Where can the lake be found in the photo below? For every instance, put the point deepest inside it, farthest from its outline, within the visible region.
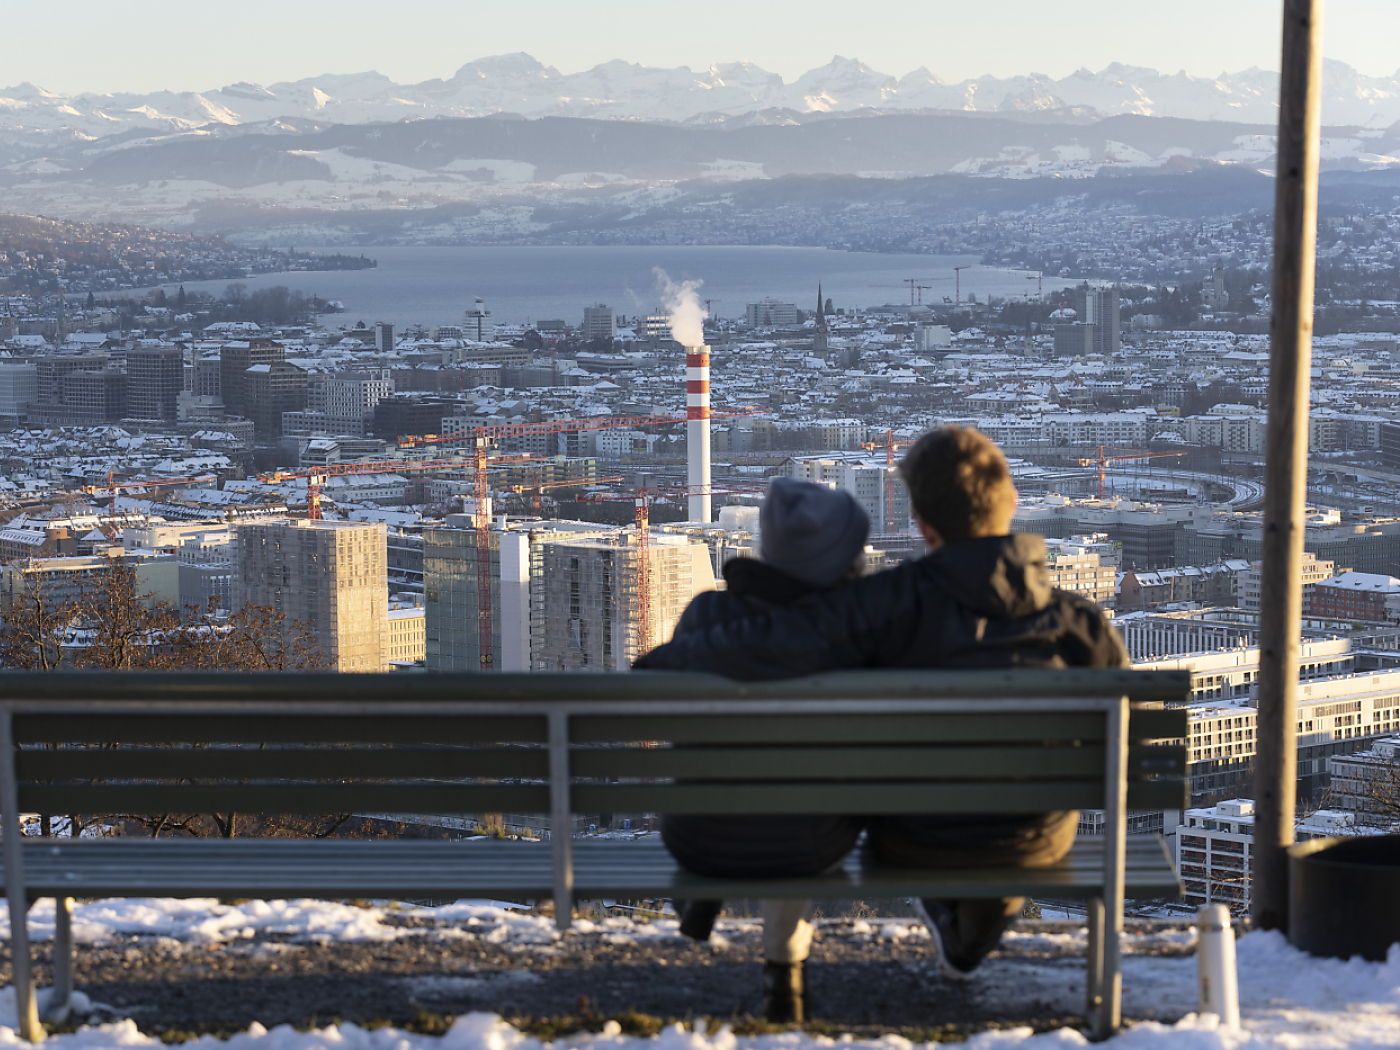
(435, 285)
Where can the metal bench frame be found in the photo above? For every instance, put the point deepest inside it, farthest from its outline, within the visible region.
(1003, 694)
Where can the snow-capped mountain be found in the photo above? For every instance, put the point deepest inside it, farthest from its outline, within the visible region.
(521, 85)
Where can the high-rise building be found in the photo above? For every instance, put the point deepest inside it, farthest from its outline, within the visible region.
(384, 338)
(586, 611)
(328, 576)
(770, 313)
(155, 377)
(1097, 324)
(453, 597)
(235, 358)
(90, 398)
(477, 323)
(49, 373)
(599, 322)
(19, 385)
(268, 391)
(866, 478)
(1213, 294)
(451, 589)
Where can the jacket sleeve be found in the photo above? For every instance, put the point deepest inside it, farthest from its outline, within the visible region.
(1098, 642)
(844, 628)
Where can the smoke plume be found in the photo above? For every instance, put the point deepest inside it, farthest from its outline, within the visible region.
(684, 309)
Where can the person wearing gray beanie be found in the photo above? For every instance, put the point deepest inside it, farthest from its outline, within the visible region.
(811, 539)
(811, 532)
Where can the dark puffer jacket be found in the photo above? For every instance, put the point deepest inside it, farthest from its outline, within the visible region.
(983, 603)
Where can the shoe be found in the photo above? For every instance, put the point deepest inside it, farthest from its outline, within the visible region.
(698, 918)
(942, 923)
(784, 992)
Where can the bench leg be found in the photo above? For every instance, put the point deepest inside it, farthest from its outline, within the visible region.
(61, 1002)
(1109, 1017)
(1093, 980)
(26, 1010)
(21, 965)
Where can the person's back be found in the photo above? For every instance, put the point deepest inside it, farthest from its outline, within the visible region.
(980, 599)
(811, 542)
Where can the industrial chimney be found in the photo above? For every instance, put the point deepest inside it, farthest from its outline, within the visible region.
(697, 430)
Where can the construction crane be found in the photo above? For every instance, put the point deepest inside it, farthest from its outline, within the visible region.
(113, 486)
(561, 426)
(957, 288)
(928, 287)
(479, 436)
(889, 445)
(537, 489)
(641, 499)
(1039, 278)
(1103, 459)
(911, 282)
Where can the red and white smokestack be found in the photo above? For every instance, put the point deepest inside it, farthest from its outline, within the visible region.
(697, 430)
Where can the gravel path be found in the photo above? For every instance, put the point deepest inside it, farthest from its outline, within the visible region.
(864, 978)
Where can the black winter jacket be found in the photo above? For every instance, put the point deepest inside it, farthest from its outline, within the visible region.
(753, 588)
(983, 603)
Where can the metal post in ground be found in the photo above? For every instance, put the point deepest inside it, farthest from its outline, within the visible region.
(1285, 493)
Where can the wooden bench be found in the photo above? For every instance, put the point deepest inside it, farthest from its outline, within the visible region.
(562, 745)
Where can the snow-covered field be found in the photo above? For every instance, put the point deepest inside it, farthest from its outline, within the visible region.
(1288, 1000)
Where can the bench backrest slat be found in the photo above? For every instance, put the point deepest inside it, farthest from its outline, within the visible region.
(973, 762)
(980, 796)
(862, 742)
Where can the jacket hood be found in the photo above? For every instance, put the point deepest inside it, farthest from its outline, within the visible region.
(1000, 577)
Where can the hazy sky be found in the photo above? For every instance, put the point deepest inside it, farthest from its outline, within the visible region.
(98, 45)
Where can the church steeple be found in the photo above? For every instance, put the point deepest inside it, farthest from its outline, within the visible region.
(819, 341)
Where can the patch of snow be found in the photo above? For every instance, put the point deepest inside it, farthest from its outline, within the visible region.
(1288, 1001)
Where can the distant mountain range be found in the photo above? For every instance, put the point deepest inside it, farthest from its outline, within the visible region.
(729, 94)
(489, 152)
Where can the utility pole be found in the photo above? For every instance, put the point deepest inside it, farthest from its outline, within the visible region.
(1286, 464)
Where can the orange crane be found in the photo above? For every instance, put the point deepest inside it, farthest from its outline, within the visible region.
(114, 486)
(498, 431)
(537, 489)
(1103, 459)
(889, 445)
(641, 500)
(479, 437)
(480, 464)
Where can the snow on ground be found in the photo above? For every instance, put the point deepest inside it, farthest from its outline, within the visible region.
(1288, 1000)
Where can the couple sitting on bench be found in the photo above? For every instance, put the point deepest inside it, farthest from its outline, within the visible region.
(979, 599)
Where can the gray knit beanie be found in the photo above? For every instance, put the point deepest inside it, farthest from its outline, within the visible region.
(811, 532)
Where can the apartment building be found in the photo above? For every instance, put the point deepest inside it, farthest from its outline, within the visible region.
(1215, 849)
(1367, 783)
(330, 576)
(869, 479)
(1363, 596)
(405, 634)
(1076, 569)
(1251, 582)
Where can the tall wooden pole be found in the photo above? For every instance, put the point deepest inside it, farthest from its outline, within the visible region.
(1285, 494)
